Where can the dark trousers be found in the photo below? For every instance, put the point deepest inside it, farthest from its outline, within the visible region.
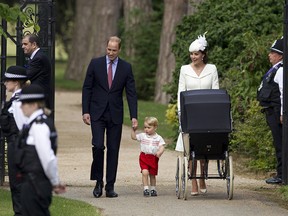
(113, 138)
(15, 179)
(36, 196)
(273, 121)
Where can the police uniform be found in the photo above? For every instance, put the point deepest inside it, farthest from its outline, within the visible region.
(269, 96)
(11, 121)
(37, 157)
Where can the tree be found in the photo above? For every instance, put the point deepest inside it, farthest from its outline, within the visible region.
(141, 33)
(135, 12)
(174, 11)
(65, 17)
(11, 14)
(95, 22)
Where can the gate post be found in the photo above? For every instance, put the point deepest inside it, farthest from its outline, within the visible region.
(3, 164)
(41, 12)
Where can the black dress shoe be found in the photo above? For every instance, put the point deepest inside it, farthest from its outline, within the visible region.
(111, 194)
(97, 192)
(274, 180)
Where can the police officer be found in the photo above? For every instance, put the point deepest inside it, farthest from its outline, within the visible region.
(269, 95)
(12, 120)
(36, 154)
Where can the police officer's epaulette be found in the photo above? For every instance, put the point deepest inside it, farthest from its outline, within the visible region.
(17, 95)
(40, 119)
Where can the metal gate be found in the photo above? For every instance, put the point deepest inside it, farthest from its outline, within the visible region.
(43, 14)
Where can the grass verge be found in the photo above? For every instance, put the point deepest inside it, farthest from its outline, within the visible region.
(60, 206)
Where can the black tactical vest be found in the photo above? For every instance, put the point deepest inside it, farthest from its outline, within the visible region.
(26, 156)
(268, 94)
(7, 121)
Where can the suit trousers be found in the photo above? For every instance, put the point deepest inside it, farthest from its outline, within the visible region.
(113, 138)
(273, 121)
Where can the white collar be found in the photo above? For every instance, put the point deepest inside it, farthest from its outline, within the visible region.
(35, 115)
(34, 53)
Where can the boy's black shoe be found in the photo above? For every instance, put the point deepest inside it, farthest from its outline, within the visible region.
(146, 192)
(153, 193)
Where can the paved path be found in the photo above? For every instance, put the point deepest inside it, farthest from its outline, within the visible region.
(74, 158)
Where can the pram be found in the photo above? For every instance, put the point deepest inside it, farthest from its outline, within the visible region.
(206, 117)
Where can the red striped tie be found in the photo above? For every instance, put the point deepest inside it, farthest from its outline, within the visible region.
(110, 74)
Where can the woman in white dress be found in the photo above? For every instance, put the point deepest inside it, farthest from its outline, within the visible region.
(197, 75)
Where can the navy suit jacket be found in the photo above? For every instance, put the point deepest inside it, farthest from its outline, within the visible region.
(39, 72)
(96, 95)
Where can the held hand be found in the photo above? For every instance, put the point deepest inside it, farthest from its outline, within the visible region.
(134, 124)
(86, 118)
(59, 189)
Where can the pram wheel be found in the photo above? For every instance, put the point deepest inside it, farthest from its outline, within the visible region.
(185, 178)
(229, 177)
(178, 177)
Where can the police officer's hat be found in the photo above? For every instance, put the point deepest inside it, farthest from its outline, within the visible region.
(32, 93)
(278, 46)
(15, 73)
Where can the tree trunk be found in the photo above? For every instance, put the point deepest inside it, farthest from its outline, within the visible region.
(135, 11)
(95, 22)
(174, 10)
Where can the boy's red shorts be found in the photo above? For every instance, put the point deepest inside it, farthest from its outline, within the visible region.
(149, 162)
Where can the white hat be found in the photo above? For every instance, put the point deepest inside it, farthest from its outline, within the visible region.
(198, 44)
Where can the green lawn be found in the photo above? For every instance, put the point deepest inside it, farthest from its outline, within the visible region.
(62, 83)
(60, 206)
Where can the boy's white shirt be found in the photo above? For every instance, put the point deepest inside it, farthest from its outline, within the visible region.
(151, 144)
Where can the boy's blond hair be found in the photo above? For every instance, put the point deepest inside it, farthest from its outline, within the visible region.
(151, 121)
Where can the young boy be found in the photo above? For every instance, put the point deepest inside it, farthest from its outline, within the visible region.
(152, 147)
(36, 157)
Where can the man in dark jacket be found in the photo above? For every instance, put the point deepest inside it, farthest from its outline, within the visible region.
(102, 108)
(39, 66)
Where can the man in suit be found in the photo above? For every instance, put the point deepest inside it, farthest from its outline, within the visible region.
(102, 108)
(39, 66)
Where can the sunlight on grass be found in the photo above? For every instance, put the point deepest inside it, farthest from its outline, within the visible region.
(60, 82)
(60, 206)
